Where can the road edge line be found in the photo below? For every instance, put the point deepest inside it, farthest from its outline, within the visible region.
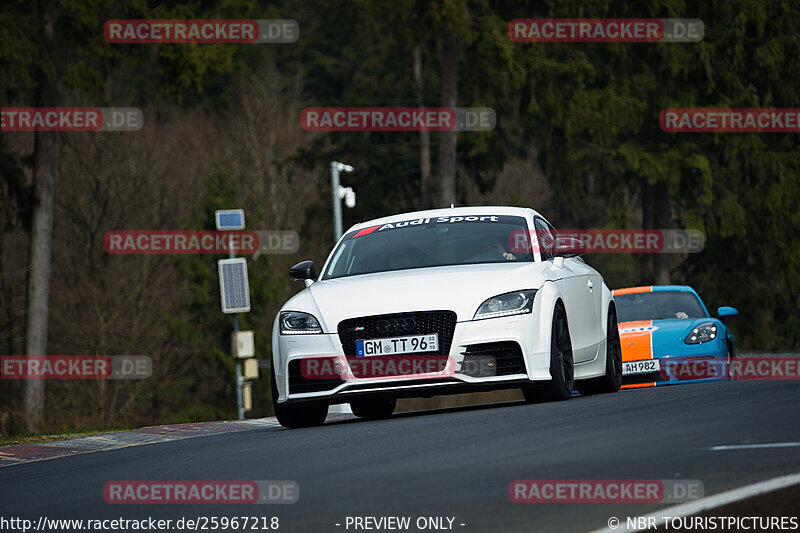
(712, 502)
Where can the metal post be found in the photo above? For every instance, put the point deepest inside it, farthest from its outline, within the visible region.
(337, 202)
(337, 233)
(239, 403)
(239, 400)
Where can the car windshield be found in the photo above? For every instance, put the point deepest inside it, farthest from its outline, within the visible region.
(428, 242)
(658, 305)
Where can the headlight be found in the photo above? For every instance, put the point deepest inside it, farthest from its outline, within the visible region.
(511, 303)
(707, 331)
(297, 323)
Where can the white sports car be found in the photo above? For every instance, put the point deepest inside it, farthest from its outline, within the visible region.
(438, 302)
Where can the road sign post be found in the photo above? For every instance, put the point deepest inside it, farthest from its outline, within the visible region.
(234, 288)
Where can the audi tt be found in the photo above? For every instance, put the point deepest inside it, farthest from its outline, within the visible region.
(443, 301)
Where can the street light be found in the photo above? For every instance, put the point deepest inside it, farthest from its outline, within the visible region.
(347, 194)
(340, 193)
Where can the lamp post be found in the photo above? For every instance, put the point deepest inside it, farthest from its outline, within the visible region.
(340, 193)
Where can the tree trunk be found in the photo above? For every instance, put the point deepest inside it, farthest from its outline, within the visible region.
(656, 214)
(451, 48)
(646, 260)
(424, 136)
(44, 158)
(662, 221)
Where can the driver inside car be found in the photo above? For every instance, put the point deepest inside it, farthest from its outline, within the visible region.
(493, 245)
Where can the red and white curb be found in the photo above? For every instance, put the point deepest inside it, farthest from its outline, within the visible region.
(26, 453)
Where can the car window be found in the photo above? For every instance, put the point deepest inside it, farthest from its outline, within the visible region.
(422, 243)
(658, 305)
(545, 236)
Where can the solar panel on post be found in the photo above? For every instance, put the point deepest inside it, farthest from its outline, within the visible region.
(229, 219)
(233, 285)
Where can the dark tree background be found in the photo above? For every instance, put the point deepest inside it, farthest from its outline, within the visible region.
(577, 138)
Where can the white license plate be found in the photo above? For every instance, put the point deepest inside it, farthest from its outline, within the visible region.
(395, 345)
(640, 367)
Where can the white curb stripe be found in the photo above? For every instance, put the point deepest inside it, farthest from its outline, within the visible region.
(754, 446)
(711, 502)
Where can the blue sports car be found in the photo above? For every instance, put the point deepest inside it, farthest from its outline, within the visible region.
(668, 337)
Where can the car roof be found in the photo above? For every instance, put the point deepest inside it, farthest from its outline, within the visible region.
(654, 288)
(448, 212)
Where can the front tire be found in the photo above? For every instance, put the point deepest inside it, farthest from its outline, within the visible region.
(297, 416)
(562, 368)
(612, 380)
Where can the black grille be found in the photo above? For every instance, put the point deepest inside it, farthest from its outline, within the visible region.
(441, 322)
(493, 359)
(650, 377)
(299, 384)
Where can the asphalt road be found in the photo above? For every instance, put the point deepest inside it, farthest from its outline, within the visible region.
(454, 463)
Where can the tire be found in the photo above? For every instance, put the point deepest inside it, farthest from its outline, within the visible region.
(373, 409)
(562, 368)
(612, 380)
(297, 416)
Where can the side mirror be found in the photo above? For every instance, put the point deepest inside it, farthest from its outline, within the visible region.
(569, 247)
(303, 271)
(726, 313)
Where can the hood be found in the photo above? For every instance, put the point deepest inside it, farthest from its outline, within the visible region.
(459, 288)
